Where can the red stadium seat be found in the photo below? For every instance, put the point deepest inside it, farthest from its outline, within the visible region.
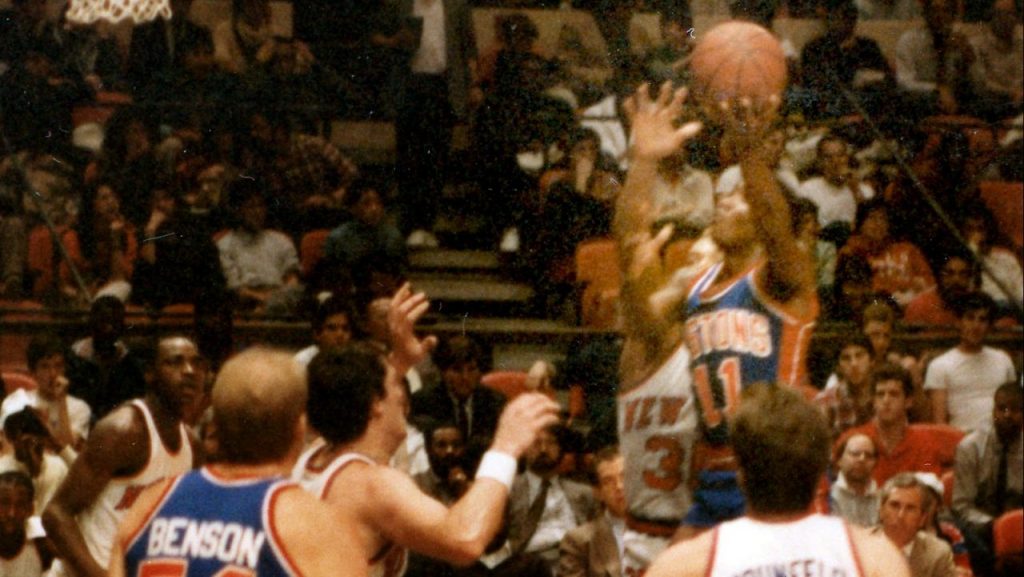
(508, 383)
(1008, 538)
(597, 268)
(15, 380)
(311, 249)
(1006, 201)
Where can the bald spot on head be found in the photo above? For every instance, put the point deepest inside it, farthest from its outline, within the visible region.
(258, 399)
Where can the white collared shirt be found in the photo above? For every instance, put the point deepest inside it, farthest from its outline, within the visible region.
(431, 56)
(557, 518)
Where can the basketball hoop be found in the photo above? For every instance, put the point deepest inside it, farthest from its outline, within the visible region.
(114, 11)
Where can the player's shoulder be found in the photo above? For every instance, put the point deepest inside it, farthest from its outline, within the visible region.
(690, 558)
(876, 554)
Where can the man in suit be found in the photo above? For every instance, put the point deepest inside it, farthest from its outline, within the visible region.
(905, 506)
(543, 506)
(592, 549)
(459, 398)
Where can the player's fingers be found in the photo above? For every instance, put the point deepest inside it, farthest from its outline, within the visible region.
(429, 343)
(663, 235)
(664, 94)
(689, 130)
(415, 314)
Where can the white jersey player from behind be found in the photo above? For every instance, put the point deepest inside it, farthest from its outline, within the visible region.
(657, 414)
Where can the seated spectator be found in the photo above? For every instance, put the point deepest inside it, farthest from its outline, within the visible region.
(247, 41)
(101, 369)
(998, 68)
(961, 381)
(804, 214)
(667, 62)
(31, 440)
(103, 247)
(261, 266)
(128, 162)
(935, 306)
(837, 192)
(840, 61)
(306, 175)
(906, 503)
(592, 549)
(543, 505)
(851, 292)
(847, 396)
(877, 325)
(179, 262)
(988, 469)
(333, 325)
(888, 9)
(25, 551)
(460, 397)
(940, 522)
(933, 63)
(13, 250)
(66, 417)
(898, 267)
(978, 228)
(369, 235)
(854, 495)
(899, 445)
(92, 53)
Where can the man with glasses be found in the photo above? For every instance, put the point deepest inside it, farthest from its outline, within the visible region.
(854, 496)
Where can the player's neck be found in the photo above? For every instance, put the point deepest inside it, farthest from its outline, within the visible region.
(778, 517)
(739, 260)
(367, 446)
(234, 471)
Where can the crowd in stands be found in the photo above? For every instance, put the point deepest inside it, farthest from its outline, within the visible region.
(211, 185)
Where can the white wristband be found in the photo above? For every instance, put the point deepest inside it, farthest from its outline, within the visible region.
(498, 466)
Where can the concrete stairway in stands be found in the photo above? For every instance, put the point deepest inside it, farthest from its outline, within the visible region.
(464, 283)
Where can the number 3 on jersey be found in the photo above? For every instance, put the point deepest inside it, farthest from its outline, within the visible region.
(729, 375)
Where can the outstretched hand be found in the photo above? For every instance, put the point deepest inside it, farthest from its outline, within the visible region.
(522, 421)
(654, 131)
(406, 307)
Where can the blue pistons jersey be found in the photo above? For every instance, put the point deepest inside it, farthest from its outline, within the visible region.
(738, 336)
(205, 526)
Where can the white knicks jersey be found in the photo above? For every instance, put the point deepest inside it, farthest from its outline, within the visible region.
(813, 545)
(657, 427)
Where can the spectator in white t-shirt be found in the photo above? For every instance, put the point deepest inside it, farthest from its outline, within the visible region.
(962, 381)
(838, 190)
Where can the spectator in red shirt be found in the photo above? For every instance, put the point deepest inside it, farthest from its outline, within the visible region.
(900, 446)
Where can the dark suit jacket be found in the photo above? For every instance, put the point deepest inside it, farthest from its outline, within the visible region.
(580, 497)
(433, 404)
(150, 55)
(590, 550)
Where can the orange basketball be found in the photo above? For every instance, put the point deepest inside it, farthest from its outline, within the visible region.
(737, 59)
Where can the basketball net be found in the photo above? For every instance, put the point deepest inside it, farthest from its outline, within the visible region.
(114, 11)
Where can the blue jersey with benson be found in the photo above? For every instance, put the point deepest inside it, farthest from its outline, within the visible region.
(205, 526)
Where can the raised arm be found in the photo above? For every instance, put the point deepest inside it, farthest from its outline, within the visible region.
(655, 136)
(405, 515)
(789, 273)
(407, 350)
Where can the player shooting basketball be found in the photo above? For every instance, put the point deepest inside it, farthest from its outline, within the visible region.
(745, 319)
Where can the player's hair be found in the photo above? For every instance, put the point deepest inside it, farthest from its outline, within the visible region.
(974, 301)
(333, 305)
(43, 347)
(857, 339)
(18, 479)
(258, 399)
(908, 480)
(878, 311)
(782, 445)
(343, 385)
(892, 372)
(1013, 389)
